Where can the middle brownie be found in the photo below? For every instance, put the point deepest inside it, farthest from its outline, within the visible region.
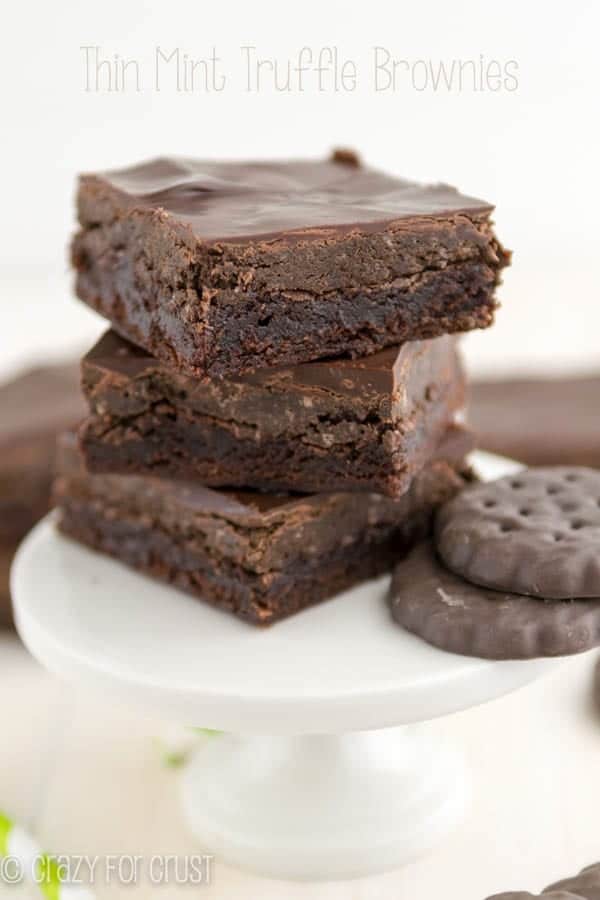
(342, 425)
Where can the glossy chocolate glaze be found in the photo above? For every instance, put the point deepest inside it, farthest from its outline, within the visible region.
(388, 382)
(335, 425)
(290, 200)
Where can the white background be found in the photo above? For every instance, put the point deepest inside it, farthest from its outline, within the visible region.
(532, 151)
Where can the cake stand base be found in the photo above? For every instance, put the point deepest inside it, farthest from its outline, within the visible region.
(324, 807)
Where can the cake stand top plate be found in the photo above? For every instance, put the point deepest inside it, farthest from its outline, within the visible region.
(340, 666)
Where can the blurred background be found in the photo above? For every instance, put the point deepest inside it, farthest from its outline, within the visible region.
(527, 142)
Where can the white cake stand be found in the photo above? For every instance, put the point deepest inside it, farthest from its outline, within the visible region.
(300, 787)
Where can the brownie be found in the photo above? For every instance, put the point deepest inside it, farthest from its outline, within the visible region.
(259, 556)
(368, 424)
(34, 408)
(220, 268)
(7, 553)
(540, 421)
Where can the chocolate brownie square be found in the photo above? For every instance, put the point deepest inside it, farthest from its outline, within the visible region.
(259, 556)
(338, 425)
(221, 268)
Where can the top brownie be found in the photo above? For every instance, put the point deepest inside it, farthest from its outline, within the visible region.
(222, 268)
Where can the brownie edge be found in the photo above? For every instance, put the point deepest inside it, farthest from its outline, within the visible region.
(336, 425)
(259, 556)
(221, 269)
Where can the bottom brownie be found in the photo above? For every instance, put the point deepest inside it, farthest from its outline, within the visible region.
(259, 556)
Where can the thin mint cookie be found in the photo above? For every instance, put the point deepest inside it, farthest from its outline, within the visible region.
(585, 886)
(525, 895)
(535, 533)
(455, 615)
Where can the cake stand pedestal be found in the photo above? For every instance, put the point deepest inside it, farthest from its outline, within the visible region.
(313, 778)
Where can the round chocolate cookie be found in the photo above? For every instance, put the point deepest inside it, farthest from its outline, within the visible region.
(585, 886)
(457, 616)
(534, 533)
(525, 895)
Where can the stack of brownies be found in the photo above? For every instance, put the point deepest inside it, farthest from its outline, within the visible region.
(274, 415)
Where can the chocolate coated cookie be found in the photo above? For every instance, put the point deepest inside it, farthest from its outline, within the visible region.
(460, 617)
(534, 533)
(585, 886)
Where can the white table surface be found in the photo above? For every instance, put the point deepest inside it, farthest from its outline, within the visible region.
(535, 754)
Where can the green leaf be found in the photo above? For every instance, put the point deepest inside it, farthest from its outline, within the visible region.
(48, 877)
(5, 829)
(174, 760)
